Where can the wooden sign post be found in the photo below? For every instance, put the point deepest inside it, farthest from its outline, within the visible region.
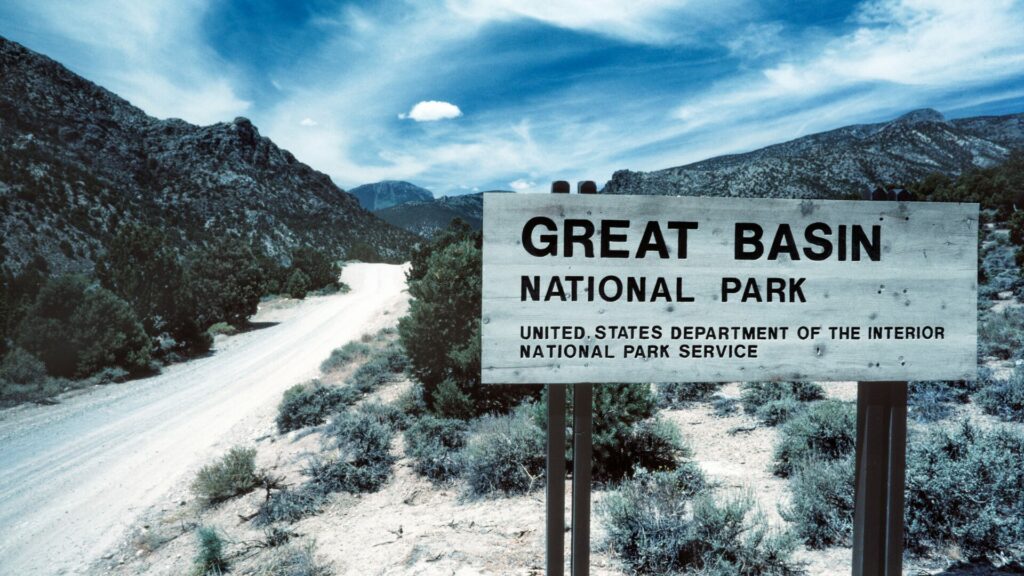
(586, 288)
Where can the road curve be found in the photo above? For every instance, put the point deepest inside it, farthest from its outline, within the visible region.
(74, 476)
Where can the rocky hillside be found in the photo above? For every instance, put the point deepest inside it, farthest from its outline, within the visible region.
(426, 218)
(381, 195)
(842, 162)
(76, 161)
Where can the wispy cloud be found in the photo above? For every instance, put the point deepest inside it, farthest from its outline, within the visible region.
(550, 89)
(150, 53)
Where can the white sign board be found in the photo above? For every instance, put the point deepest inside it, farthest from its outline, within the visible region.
(608, 288)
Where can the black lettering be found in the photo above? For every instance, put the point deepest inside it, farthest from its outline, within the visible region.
(607, 237)
(681, 229)
(730, 286)
(550, 241)
(819, 241)
(582, 238)
(873, 247)
(652, 240)
(783, 242)
(748, 234)
(530, 285)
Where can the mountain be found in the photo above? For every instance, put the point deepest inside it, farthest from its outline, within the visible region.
(843, 162)
(426, 218)
(381, 195)
(76, 161)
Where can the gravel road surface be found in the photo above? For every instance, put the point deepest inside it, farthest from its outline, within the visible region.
(74, 476)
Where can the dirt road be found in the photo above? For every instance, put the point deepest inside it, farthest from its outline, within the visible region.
(74, 476)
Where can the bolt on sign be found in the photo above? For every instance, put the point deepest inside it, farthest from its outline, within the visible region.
(603, 288)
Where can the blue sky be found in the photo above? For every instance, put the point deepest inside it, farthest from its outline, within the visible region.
(459, 95)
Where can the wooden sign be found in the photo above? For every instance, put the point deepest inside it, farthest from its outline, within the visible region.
(612, 288)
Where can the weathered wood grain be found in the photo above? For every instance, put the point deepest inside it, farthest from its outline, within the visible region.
(926, 276)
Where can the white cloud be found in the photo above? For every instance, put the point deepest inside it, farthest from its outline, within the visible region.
(308, 122)
(521, 185)
(432, 111)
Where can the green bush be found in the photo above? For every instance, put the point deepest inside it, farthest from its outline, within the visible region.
(965, 489)
(233, 475)
(623, 437)
(297, 285)
(821, 507)
(441, 332)
(382, 368)
(77, 329)
(341, 357)
(1001, 334)
(666, 522)
(775, 402)
(226, 278)
(434, 445)
(826, 430)
(682, 394)
(292, 560)
(142, 267)
(724, 406)
(504, 454)
(290, 505)
(364, 459)
(1004, 398)
(411, 402)
(210, 558)
(22, 368)
(776, 412)
(310, 404)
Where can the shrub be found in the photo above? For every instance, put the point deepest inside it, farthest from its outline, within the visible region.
(825, 430)
(778, 412)
(653, 444)
(1001, 334)
(379, 370)
(821, 507)
(663, 522)
(928, 403)
(758, 395)
(441, 332)
(451, 402)
(622, 438)
(227, 280)
(965, 488)
(434, 445)
(210, 557)
(292, 560)
(309, 404)
(341, 357)
(77, 329)
(297, 285)
(141, 267)
(1004, 398)
(682, 394)
(724, 406)
(364, 459)
(411, 402)
(504, 454)
(233, 475)
(22, 368)
(290, 505)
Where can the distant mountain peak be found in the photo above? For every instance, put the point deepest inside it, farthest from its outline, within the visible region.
(388, 193)
(921, 115)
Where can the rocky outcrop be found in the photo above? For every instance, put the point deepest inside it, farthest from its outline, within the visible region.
(840, 163)
(76, 161)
